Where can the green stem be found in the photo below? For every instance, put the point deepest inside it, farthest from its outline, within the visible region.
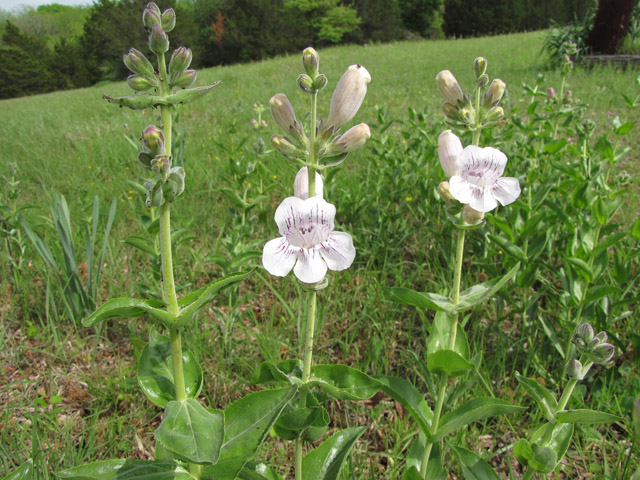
(311, 170)
(306, 371)
(444, 379)
(477, 126)
(528, 474)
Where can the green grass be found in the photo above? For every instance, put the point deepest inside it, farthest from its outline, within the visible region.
(74, 143)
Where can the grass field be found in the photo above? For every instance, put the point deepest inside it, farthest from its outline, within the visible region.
(68, 394)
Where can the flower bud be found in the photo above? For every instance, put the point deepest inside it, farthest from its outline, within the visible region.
(467, 115)
(151, 17)
(568, 96)
(301, 184)
(320, 82)
(574, 369)
(180, 61)
(449, 87)
(161, 163)
(285, 147)
(551, 93)
(582, 336)
(153, 7)
(602, 353)
(186, 79)
(153, 140)
(138, 63)
(450, 111)
(158, 40)
(168, 20)
(449, 150)
(145, 158)
(445, 193)
(310, 62)
(282, 112)
(494, 93)
(348, 95)
(482, 80)
(138, 83)
(494, 115)
(479, 67)
(305, 83)
(472, 216)
(351, 140)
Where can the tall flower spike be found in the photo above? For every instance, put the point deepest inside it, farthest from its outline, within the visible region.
(308, 244)
(480, 183)
(301, 184)
(348, 95)
(449, 150)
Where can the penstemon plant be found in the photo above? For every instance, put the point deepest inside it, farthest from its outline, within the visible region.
(475, 186)
(192, 441)
(310, 247)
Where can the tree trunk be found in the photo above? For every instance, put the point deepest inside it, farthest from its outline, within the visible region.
(610, 25)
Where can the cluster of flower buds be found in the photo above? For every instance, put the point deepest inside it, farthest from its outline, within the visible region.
(591, 346)
(169, 181)
(463, 110)
(329, 147)
(144, 76)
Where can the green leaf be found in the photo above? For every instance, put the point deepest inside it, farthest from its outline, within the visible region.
(409, 397)
(326, 460)
(609, 241)
(290, 424)
(545, 400)
(125, 469)
(624, 128)
(509, 247)
(155, 371)
(146, 100)
(246, 424)
(257, 471)
(581, 267)
(478, 293)
(542, 459)
(202, 296)
(141, 243)
(473, 467)
(23, 472)
(187, 95)
(286, 371)
(555, 146)
(448, 362)
(191, 432)
(558, 441)
(343, 382)
(129, 308)
(428, 301)
(472, 411)
(635, 229)
(412, 473)
(585, 415)
(439, 335)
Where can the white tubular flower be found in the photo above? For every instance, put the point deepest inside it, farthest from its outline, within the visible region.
(301, 184)
(449, 150)
(480, 183)
(348, 95)
(282, 112)
(308, 244)
(449, 87)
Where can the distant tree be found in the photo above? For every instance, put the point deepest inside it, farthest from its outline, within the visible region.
(423, 17)
(380, 21)
(610, 25)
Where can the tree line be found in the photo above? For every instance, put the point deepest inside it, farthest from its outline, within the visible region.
(58, 47)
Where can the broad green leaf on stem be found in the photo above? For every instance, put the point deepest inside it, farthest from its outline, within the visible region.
(609, 241)
(246, 423)
(155, 371)
(479, 293)
(440, 333)
(258, 471)
(196, 300)
(191, 432)
(290, 424)
(125, 469)
(146, 100)
(413, 461)
(129, 308)
(585, 415)
(472, 411)
(581, 267)
(23, 472)
(558, 437)
(428, 301)
(343, 382)
(509, 247)
(412, 473)
(326, 460)
(409, 397)
(286, 371)
(449, 362)
(545, 399)
(541, 459)
(635, 229)
(414, 455)
(555, 146)
(187, 95)
(142, 243)
(473, 467)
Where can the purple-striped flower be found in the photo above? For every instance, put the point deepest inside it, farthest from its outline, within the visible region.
(480, 183)
(308, 244)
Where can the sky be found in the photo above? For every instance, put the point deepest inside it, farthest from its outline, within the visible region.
(11, 4)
